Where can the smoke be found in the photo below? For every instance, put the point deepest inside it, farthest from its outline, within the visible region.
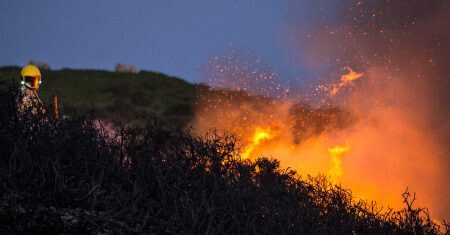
(403, 133)
(382, 94)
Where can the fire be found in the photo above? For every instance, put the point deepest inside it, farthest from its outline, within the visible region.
(380, 165)
(346, 80)
(266, 140)
(314, 140)
(351, 76)
(336, 170)
(260, 135)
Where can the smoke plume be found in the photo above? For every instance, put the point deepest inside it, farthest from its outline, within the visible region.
(403, 135)
(381, 94)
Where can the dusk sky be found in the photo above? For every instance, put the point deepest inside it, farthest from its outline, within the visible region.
(173, 37)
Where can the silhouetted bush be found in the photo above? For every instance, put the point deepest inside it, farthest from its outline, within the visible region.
(75, 175)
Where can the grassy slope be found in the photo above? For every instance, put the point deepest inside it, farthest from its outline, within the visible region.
(115, 96)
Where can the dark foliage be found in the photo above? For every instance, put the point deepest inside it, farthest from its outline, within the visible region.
(75, 176)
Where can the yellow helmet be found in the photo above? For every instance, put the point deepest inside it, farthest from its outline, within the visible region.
(31, 77)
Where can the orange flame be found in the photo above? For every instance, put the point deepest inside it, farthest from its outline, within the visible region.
(351, 76)
(336, 170)
(260, 135)
(346, 79)
(381, 162)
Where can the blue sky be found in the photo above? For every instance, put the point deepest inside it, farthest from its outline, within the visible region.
(176, 37)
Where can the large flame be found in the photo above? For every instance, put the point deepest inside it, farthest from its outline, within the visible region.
(258, 143)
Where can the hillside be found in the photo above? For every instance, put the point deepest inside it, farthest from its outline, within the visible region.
(135, 97)
(69, 177)
(115, 96)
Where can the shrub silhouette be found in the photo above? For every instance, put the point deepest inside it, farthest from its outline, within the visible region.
(76, 176)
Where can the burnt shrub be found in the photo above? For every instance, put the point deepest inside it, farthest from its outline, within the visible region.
(76, 175)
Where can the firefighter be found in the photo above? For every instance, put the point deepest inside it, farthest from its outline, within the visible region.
(28, 98)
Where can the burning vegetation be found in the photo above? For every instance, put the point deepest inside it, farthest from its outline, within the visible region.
(72, 176)
(377, 121)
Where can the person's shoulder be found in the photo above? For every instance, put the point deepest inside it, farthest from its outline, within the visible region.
(26, 92)
(23, 90)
